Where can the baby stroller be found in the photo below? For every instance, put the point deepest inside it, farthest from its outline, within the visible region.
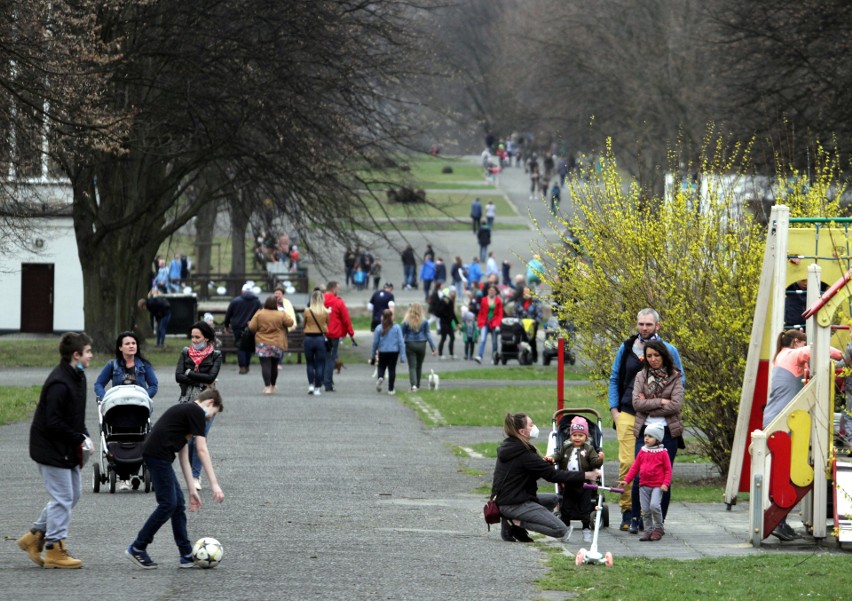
(561, 431)
(124, 419)
(515, 341)
(551, 343)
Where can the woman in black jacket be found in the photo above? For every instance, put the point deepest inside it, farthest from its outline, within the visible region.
(197, 368)
(518, 469)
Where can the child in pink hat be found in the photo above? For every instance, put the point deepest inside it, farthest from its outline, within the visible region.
(578, 455)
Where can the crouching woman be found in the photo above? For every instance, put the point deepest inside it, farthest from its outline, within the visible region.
(518, 469)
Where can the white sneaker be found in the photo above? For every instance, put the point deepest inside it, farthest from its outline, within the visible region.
(379, 383)
(442, 358)
(310, 389)
(587, 535)
(391, 392)
(124, 485)
(317, 391)
(197, 483)
(478, 359)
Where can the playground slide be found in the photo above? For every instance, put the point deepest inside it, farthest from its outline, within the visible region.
(843, 500)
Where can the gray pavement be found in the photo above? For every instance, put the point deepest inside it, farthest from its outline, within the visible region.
(346, 495)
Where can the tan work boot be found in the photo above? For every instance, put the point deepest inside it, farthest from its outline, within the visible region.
(56, 556)
(32, 543)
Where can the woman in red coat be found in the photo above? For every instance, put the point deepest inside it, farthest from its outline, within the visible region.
(490, 316)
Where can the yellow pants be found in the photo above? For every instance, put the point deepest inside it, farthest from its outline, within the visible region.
(626, 453)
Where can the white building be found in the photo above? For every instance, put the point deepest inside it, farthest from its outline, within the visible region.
(42, 284)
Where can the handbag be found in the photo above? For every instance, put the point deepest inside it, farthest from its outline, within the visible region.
(491, 511)
(189, 395)
(246, 343)
(329, 344)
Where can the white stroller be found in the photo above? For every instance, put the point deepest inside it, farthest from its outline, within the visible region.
(124, 419)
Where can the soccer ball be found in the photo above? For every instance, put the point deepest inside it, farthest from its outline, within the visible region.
(207, 552)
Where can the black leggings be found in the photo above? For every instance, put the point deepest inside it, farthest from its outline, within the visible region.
(269, 370)
(446, 332)
(388, 361)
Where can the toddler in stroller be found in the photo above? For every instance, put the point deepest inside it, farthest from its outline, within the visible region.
(576, 447)
(515, 341)
(124, 420)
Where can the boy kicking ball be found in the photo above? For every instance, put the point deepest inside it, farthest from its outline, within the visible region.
(168, 437)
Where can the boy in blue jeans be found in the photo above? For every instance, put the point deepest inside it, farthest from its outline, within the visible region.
(169, 437)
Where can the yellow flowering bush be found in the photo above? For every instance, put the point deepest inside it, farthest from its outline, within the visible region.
(695, 256)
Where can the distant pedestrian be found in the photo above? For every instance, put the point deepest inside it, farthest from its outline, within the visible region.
(474, 273)
(429, 253)
(440, 273)
(389, 346)
(339, 327)
(416, 333)
(484, 239)
(457, 278)
(409, 268)
(491, 265)
(316, 326)
(381, 300)
(555, 197)
(161, 314)
(427, 276)
(490, 213)
(476, 214)
(240, 311)
(350, 258)
(507, 278)
(376, 274)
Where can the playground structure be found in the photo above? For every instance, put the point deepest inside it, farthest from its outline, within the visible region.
(781, 469)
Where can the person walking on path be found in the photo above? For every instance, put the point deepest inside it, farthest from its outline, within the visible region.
(440, 273)
(316, 326)
(270, 339)
(60, 444)
(427, 276)
(409, 268)
(490, 213)
(488, 320)
(167, 438)
(476, 214)
(160, 311)
(457, 276)
(240, 311)
(445, 311)
(381, 300)
(416, 333)
(654, 470)
(339, 326)
(197, 369)
(628, 362)
(389, 345)
(484, 239)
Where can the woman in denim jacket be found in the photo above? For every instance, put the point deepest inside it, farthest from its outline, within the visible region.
(388, 343)
(128, 367)
(416, 333)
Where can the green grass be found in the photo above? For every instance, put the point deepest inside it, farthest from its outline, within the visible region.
(425, 173)
(517, 372)
(446, 204)
(765, 576)
(17, 403)
(488, 406)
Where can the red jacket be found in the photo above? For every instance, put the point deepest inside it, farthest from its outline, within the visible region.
(653, 466)
(482, 318)
(339, 324)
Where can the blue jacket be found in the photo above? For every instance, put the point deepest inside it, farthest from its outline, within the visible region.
(474, 272)
(476, 209)
(424, 334)
(616, 388)
(391, 342)
(114, 370)
(427, 271)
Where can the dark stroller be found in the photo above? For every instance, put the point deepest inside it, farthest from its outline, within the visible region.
(551, 343)
(515, 341)
(561, 431)
(124, 418)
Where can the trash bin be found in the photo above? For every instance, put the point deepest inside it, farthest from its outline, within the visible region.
(184, 313)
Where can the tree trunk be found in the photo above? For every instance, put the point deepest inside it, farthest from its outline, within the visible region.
(204, 225)
(239, 225)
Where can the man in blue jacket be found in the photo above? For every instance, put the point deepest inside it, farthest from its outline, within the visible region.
(629, 362)
(476, 214)
(240, 311)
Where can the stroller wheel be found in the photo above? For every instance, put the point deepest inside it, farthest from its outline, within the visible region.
(96, 478)
(112, 477)
(146, 477)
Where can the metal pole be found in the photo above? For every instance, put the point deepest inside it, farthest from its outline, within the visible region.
(560, 374)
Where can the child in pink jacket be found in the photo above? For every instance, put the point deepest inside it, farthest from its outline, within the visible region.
(655, 477)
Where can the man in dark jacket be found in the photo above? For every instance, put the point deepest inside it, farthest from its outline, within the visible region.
(240, 311)
(484, 239)
(60, 444)
(409, 267)
(515, 488)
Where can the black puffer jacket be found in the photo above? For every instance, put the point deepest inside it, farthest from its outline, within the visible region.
(59, 423)
(205, 375)
(521, 466)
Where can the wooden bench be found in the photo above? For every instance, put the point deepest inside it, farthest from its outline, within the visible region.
(295, 343)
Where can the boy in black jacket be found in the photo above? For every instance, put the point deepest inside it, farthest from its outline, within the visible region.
(60, 444)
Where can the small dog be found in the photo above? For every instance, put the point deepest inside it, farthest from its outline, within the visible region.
(434, 380)
(338, 365)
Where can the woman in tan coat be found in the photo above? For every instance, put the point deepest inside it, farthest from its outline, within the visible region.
(316, 328)
(657, 399)
(270, 338)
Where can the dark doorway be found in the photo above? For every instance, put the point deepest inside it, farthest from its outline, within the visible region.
(37, 298)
